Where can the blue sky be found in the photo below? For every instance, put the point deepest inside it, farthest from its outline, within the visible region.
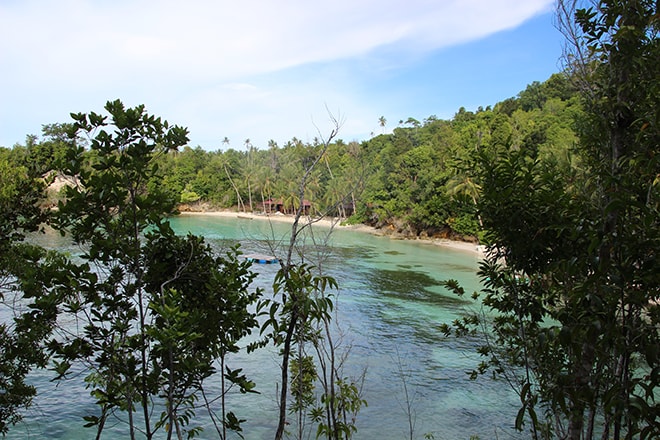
(265, 69)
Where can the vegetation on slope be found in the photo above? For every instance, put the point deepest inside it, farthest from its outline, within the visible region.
(420, 180)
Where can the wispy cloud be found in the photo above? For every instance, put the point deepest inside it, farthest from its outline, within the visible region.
(244, 65)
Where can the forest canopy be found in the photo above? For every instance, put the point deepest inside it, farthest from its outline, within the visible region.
(419, 180)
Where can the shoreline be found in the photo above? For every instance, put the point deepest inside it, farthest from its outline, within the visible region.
(475, 249)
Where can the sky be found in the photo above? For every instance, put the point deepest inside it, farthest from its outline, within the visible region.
(268, 69)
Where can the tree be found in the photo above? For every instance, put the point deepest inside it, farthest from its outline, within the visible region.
(299, 315)
(157, 310)
(382, 122)
(573, 273)
(621, 139)
(32, 283)
(249, 170)
(44, 155)
(201, 311)
(532, 97)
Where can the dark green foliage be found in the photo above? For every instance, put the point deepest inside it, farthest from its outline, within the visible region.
(210, 292)
(32, 283)
(46, 155)
(429, 175)
(20, 195)
(534, 212)
(158, 310)
(572, 277)
(30, 294)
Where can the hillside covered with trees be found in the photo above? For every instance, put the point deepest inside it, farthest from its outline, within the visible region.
(422, 179)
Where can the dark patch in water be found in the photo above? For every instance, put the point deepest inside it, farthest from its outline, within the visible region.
(409, 266)
(409, 285)
(459, 268)
(355, 253)
(393, 253)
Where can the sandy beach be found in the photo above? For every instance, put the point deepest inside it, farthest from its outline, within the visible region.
(333, 222)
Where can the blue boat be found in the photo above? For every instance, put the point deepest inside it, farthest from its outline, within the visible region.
(262, 258)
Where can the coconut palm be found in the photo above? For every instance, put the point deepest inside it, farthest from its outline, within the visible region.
(382, 122)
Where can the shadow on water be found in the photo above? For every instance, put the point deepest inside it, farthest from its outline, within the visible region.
(454, 268)
(408, 266)
(410, 285)
(344, 253)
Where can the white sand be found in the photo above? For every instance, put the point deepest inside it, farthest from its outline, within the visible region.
(334, 222)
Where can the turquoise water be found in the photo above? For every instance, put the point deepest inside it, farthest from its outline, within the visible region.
(389, 309)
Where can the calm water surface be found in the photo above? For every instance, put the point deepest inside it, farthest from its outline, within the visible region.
(389, 308)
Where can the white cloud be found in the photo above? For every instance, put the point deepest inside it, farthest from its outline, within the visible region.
(251, 36)
(195, 57)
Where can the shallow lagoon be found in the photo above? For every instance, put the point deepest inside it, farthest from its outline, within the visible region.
(389, 307)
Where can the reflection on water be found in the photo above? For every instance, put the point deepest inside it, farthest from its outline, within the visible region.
(389, 306)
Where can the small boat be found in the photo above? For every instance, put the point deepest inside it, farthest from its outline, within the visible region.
(262, 258)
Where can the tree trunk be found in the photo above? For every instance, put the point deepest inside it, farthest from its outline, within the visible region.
(286, 352)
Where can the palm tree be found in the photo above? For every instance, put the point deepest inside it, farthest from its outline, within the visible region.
(382, 122)
(249, 170)
(463, 184)
(266, 179)
(226, 167)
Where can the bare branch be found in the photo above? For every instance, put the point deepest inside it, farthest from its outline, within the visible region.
(577, 58)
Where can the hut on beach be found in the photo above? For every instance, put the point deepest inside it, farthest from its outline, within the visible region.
(272, 206)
